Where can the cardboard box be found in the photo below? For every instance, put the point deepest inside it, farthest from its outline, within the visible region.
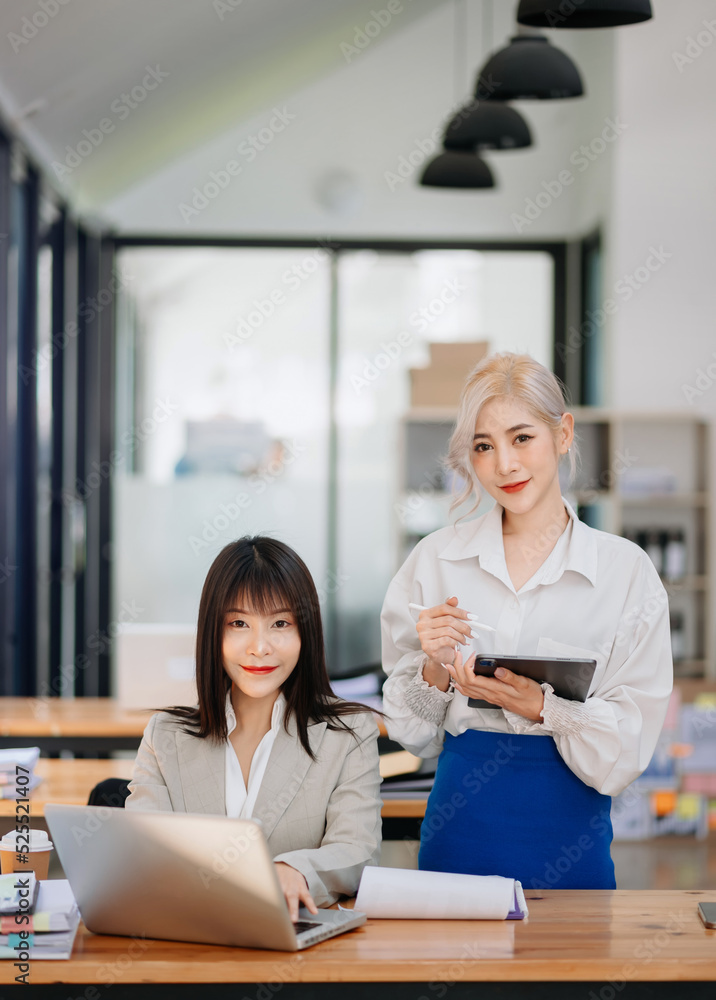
(460, 357)
(427, 388)
(441, 383)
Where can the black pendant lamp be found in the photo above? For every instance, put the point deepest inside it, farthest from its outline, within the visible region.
(487, 125)
(583, 13)
(453, 169)
(529, 68)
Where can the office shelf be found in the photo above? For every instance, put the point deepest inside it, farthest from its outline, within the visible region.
(645, 475)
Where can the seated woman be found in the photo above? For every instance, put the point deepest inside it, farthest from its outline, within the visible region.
(268, 740)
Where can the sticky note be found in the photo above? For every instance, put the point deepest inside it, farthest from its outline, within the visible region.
(663, 803)
(688, 806)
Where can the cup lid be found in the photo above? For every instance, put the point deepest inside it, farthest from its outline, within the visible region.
(39, 840)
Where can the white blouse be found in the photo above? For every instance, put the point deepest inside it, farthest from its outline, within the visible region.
(596, 595)
(240, 800)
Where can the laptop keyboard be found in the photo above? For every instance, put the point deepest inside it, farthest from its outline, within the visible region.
(304, 925)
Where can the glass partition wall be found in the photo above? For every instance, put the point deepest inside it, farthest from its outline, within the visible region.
(273, 390)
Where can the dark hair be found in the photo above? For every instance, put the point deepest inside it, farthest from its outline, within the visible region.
(264, 574)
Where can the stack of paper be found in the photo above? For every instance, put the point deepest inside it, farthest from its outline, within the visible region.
(406, 894)
(13, 890)
(17, 772)
(49, 932)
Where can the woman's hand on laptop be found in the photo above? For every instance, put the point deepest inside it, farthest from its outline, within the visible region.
(295, 889)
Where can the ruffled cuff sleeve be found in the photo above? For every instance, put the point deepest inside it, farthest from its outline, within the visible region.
(559, 716)
(427, 701)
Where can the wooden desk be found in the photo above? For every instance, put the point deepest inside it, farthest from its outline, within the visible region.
(602, 941)
(83, 725)
(71, 781)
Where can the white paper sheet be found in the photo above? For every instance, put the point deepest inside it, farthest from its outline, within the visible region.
(24, 756)
(403, 893)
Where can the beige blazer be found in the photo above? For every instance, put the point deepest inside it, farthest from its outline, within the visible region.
(321, 817)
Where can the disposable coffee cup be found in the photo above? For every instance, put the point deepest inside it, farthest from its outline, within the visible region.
(38, 856)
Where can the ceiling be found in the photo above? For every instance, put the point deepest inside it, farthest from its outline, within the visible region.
(190, 69)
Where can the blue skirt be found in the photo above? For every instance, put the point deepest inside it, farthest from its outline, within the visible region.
(504, 804)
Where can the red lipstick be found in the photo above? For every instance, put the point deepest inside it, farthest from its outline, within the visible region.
(259, 670)
(515, 487)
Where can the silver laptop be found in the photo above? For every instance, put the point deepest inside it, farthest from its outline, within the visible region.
(181, 877)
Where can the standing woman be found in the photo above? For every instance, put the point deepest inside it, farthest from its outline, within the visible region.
(524, 789)
(268, 740)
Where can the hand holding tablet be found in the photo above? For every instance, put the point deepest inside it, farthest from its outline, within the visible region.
(569, 678)
(503, 689)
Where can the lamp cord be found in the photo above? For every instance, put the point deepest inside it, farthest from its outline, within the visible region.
(460, 30)
(487, 26)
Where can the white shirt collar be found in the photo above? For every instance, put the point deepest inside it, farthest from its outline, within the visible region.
(277, 713)
(482, 539)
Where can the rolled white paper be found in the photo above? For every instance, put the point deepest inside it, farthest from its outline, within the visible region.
(406, 894)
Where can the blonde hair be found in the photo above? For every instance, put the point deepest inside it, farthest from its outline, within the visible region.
(521, 378)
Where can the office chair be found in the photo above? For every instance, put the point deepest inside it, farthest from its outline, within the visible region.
(111, 792)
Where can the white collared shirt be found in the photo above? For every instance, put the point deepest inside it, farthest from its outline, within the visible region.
(240, 800)
(596, 596)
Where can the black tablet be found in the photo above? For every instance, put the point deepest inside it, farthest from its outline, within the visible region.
(569, 677)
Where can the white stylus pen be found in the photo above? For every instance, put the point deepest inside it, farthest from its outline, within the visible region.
(471, 618)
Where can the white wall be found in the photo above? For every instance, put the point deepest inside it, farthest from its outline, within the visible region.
(664, 184)
(361, 121)
(662, 341)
